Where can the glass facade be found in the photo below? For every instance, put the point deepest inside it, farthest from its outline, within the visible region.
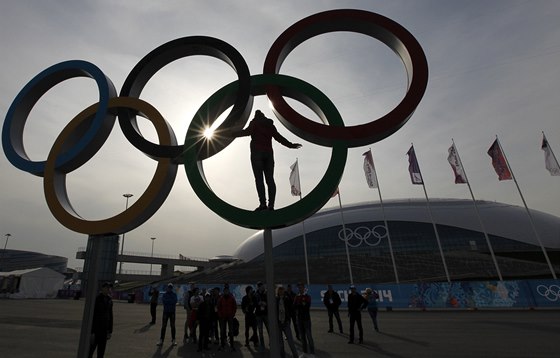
(11, 260)
(415, 250)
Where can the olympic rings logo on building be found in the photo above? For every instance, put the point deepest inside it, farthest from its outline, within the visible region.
(363, 234)
(86, 133)
(551, 293)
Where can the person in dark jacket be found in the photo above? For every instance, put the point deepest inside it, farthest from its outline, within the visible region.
(292, 296)
(204, 316)
(154, 297)
(356, 303)
(102, 325)
(248, 306)
(262, 130)
(284, 308)
(189, 333)
(261, 312)
(169, 300)
(332, 301)
(302, 305)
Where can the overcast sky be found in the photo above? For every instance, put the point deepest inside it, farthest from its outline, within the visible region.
(493, 71)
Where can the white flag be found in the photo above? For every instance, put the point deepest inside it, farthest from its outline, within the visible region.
(453, 159)
(369, 170)
(549, 159)
(294, 180)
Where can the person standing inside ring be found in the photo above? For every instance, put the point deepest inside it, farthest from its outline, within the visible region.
(262, 130)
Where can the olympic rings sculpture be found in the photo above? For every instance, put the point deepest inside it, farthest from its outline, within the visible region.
(86, 133)
(363, 234)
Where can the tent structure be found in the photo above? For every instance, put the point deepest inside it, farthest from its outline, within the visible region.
(39, 282)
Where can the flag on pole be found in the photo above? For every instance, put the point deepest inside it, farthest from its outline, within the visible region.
(453, 159)
(549, 159)
(294, 180)
(499, 161)
(369, 170)
(413, 167)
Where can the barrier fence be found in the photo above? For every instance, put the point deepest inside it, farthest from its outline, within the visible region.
(432, 295)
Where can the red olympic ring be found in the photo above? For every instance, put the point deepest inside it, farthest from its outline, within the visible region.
(384, 29)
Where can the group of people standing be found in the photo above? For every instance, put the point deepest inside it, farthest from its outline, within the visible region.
(291, 308)
(208, 312)
(212, 314)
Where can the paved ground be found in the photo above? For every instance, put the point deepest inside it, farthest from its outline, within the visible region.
(51, 328)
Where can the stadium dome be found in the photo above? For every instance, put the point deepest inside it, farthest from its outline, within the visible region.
(412, 239)
(12, 260)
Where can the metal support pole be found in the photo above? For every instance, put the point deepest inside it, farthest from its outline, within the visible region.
(91, 293)
(273, 328)
(100, 265)
(153, 239)
(127, 196)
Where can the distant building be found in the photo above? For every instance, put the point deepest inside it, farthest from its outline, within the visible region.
(414, 244)
(11, 260)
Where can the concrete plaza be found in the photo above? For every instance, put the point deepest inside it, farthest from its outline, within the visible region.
(51, 328)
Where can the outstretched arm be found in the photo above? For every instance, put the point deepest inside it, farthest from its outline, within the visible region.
(280, 139)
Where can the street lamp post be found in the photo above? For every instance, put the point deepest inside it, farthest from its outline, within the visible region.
(4, 256)
(153, 239)
(127, 196)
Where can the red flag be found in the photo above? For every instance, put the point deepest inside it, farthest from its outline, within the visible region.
(499, 161)
(413, 167)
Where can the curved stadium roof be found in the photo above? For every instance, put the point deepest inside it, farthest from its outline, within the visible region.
(499, 219)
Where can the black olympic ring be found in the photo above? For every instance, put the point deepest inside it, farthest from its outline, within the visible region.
(362, 233)
(87, 132)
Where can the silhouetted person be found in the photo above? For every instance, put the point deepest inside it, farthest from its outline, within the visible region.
(248, 306)
(154, 296)
(372, 296)
(204, 313)
(261, 312)
(332, 301)
(356, 303)
(169, 300)
(262, 130)
(227, 307)
(102, 326)
(292, 296)
(284, 307)
(302, 305)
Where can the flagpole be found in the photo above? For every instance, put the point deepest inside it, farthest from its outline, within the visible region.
(478, 214)
(303, 229)
(305, 250)
(435, 227)
(437, 234)
(386, 224)
(528, 213)
(345, 239)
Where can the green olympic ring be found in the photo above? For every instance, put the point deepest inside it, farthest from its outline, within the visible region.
(291, 214)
